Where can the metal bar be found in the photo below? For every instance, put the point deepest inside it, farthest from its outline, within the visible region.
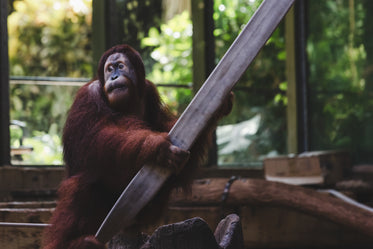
(302, 75)
(66, 81)
(4, 87)
(45, 83)
(62, 81)
(25, 225)
(48, 78)
(99, 30)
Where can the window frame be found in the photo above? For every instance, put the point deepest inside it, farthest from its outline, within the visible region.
(203, 23)
(4, 87)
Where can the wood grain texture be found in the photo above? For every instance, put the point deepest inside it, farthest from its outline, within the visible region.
(242, 52)
(261, 192)
(137, 194)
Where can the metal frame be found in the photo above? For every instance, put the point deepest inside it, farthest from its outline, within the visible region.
(301, 69)
(4, 86)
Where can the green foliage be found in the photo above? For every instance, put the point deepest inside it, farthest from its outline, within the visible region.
(41, 106)
(51, 47)
(47, 145)
(341, 102)
(230, 17)
(136, 18)
(172, 50)
(260, 91)
(50, 38)
(47, 38)
(16, 134)
(172, 53)
(265, 81)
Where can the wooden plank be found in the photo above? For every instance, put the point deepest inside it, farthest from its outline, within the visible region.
(270, 226)
(317, 167)
(149, 179)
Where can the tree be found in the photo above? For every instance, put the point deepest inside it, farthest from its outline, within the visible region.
(47, 38)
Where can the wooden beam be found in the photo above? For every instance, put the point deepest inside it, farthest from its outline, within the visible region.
(244, 49)
(261, 192)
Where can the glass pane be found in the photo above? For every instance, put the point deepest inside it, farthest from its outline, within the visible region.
(164, 40)
(170, 61)
(341, 80)
(46, 38)
(257, 125)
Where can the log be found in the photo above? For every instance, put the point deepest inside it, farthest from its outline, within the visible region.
(254, 191)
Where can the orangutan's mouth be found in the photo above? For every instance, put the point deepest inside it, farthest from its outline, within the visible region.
(116, 86)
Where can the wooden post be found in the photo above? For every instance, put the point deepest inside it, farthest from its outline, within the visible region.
(291, 93)
(99, 31)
